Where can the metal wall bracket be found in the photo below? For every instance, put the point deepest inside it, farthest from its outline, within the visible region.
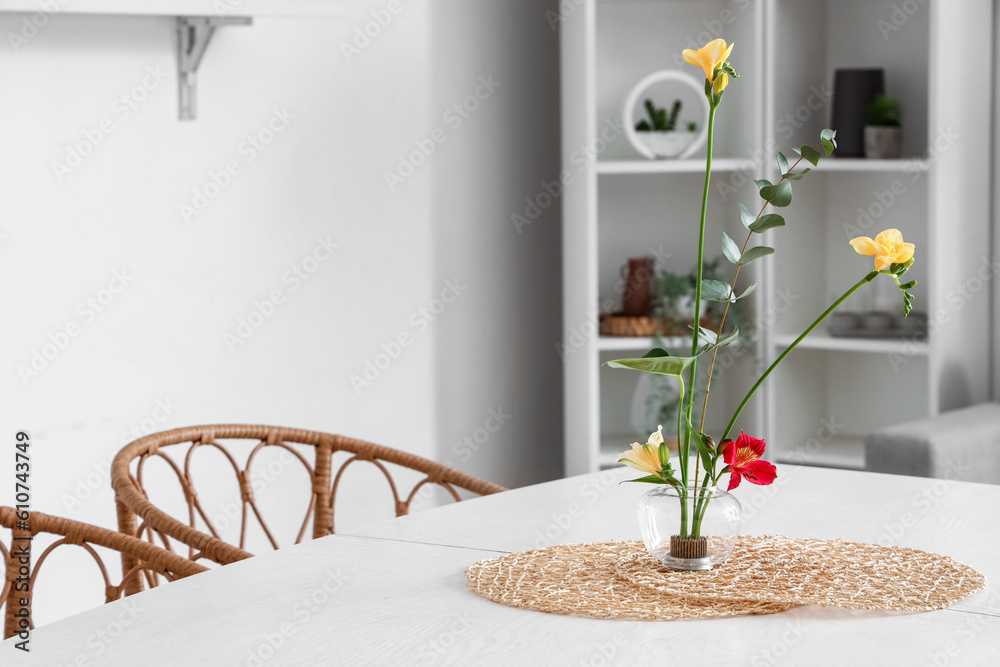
(193, 36)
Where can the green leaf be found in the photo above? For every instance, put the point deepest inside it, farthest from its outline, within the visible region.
(730, 249)
(660, 365)
(766, 222)
(828, 137)
(777, 195)
(649, 479)
(746, 216)
(782, 163)
(656, 352)
(729, 338)
(716, 290)
(796, 176)
(748, 291)
(755, 253)
(700, 442)
(809, 153)
(708, 335)
(763, 183)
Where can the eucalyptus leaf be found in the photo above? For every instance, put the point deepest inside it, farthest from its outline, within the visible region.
(729, 339)
(755, 253)
(795, 176)
(763, 183)
(809, 153)
(746, 216)
(716, 290)
(782, 163)
(748, 291)
(708, 335)
(730, 249)
(766, 222)
(778, 195)
(829, 139)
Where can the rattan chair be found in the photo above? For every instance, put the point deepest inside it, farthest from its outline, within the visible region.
(133, 502)
(148, 561)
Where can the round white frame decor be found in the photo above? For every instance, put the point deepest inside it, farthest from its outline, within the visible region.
(637, 92)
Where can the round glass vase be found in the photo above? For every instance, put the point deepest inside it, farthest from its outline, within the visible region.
(689, 528)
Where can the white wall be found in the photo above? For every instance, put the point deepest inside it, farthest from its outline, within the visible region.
(160, 339)
(496, 350)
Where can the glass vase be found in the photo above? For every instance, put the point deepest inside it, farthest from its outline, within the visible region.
(689, 528)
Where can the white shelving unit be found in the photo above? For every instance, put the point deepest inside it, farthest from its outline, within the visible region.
(251, 8)
(830, 392)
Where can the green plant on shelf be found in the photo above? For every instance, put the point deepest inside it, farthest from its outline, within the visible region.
(884, 112)
(660, 120)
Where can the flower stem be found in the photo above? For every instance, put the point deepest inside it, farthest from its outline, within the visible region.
(684, 449)
(836, 304)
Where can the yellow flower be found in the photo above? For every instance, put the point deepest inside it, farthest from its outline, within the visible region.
(710, 57)
(645, 458)
(888, 248)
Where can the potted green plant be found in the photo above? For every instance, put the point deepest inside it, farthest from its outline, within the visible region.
(884, 129)
(660, 131)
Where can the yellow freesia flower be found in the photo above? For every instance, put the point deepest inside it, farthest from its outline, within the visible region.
(710, 57)
(645, 458)
(888, 248)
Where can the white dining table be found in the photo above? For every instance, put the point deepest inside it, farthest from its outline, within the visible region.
(394, 593)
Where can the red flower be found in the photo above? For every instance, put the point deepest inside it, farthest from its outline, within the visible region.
(743, 460)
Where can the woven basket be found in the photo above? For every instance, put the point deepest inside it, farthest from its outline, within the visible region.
(625, 325)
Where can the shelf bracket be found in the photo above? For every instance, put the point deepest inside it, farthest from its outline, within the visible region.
(193, 36)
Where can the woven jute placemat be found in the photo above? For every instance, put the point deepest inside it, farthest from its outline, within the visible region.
(764, 575)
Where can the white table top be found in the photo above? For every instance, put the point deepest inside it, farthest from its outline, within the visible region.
(395, 593)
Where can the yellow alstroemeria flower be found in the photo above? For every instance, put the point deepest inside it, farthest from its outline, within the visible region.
(645, 458)
(710, 57)
(888, 248)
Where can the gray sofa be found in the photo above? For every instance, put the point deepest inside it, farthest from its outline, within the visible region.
(962, 445)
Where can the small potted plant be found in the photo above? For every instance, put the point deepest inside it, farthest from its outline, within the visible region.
(884, 129)
(660, 131)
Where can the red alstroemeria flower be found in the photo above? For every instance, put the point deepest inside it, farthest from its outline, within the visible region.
(743, 459)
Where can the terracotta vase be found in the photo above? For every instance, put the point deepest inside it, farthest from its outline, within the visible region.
(637, 300)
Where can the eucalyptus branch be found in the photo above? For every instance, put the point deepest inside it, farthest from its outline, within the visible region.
(732, 290)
